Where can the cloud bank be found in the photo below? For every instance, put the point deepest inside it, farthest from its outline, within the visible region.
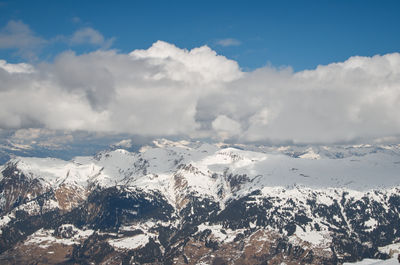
(168, 91)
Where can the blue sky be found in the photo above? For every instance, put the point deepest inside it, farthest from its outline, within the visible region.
(301, 34)
(243, 72)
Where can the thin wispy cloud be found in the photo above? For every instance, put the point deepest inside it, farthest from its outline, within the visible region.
(76, 19)
(91, 36)
(228, 42)
(18, 36)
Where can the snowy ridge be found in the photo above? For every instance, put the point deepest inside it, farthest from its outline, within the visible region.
(211, 171)
(55, 172)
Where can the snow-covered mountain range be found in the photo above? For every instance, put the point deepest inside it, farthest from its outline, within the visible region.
(199, 203)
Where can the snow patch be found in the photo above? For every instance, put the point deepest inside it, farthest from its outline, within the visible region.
(44, 238)
(371, 224)
(130, 242)
(393, 261)
(317, 238)
(393, 249)
(221, 234)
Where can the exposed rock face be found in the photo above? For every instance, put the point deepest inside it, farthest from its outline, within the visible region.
(17, 188)
(197, 205)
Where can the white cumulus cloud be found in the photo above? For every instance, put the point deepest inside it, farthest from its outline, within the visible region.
(168, 91)
(225, 127)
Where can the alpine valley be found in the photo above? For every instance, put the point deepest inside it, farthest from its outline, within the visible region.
(201, 203)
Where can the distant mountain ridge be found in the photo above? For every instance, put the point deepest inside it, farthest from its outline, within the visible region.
(199, 203)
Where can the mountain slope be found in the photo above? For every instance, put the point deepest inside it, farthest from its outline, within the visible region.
(193, 203)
